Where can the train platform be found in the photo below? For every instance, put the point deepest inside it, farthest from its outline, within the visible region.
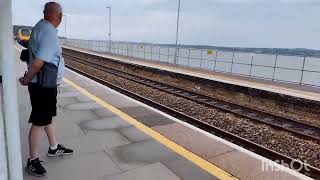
(304, 92)
(117, 138)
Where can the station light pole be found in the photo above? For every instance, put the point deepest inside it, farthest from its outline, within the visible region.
(65, 25)
(109, 34)
(177, 34)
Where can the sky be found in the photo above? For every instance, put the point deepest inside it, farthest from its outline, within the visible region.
(230, 23)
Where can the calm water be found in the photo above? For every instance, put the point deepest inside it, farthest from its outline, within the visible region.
(279, 68)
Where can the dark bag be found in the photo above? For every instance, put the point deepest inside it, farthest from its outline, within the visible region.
(24, 56)
(47, 76)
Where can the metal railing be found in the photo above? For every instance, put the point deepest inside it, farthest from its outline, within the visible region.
(282, 68)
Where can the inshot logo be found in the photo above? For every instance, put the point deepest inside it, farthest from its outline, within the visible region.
(296, 165)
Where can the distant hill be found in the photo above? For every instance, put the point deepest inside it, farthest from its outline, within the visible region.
(278, 51)
(274, 51)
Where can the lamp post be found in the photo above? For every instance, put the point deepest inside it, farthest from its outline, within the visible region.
(109, 34)
(177, 34)
(65, 25)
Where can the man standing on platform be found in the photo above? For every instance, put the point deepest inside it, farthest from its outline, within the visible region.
(45, 72)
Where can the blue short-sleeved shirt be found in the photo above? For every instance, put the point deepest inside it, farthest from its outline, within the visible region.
(45, 45)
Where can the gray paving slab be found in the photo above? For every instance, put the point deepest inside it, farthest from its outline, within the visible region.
(92, 142)
(62, 102)
(110, 139)
(66, 129)
(194, 141)
(156, 171)
(82, 83)
(77, 116)
(69, 94)
(133, 134)
(83, 98)
(103, 112)
(118, 101)
(239, 164)
(100, 91)
(66, 89)
(186, 170)
(137, 111)
(153, 120)
(140, 154)
(84, 106)
(107, 123)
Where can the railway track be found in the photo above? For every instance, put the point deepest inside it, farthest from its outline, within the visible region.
(303, 130)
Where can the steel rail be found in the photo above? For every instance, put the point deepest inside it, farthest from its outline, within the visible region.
(304, 130)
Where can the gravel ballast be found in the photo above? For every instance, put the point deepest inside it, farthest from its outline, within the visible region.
(282, 142)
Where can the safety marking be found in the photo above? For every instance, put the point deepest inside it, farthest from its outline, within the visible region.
(205, 165)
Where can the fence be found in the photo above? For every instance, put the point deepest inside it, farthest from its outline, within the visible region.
(291, 69)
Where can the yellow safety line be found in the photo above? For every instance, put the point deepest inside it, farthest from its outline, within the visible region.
(207, 166)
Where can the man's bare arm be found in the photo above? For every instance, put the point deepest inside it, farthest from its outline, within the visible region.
(35, 68)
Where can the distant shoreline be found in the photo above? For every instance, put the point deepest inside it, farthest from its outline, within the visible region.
(277, 51)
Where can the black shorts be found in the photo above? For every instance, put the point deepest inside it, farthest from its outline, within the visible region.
(44, 104)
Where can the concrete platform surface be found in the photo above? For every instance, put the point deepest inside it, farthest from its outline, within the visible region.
(115, 137)
(106, 147)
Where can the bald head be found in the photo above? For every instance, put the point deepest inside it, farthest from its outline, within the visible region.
(53, 13)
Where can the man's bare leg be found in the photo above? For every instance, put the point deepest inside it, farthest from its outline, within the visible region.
(50, 131)
(35, 135)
